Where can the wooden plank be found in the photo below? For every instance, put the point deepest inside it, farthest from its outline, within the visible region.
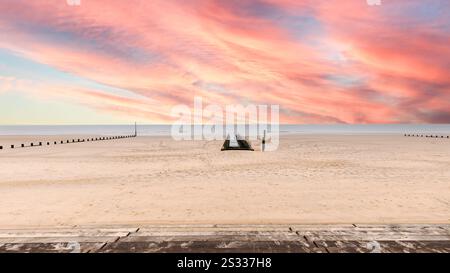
(433, 246)
(343, 226)
(351, 246)
(212, 238)
(62, 234)
(414, 247)
(209, 247)
(345, 250)
(183, 226)
(373, 233)
(109, 228)
(426, 230)
(445, 226)
(211, 233)
(211, 229)
(254, 227)
(71, 230)
(271, 247)
(44, 240)
(411, 231)
(370, 247)
(231, 238)
(380, 237)
(180, 238)
(50, 248)
(322, 227)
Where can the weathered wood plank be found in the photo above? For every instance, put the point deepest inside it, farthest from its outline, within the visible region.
(212, 238)
(380, 237)
(372, 229)
(231, 238)
(50, 248)
(387, 246)
(212, 233)
(358, 233)
(325, 226)
(62, 234)
(45, 240)
(420, 226)
(211, 229)
(70, 229)
(210, 246)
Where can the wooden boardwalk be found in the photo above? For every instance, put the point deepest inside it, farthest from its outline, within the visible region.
(232, 238)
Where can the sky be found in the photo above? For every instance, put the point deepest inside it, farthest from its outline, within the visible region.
(321, 61)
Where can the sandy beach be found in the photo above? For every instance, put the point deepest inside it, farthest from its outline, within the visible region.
(155, 180)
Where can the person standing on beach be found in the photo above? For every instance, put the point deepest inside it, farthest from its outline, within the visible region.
(263, 143)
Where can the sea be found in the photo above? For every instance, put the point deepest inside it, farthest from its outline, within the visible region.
(165, 130)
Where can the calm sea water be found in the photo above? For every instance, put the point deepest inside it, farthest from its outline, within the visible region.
(164, 130)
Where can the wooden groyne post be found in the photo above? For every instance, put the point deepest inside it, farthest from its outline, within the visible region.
(427, 136)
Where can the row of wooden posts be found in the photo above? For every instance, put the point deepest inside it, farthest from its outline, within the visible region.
(70, 141)
(422, 135)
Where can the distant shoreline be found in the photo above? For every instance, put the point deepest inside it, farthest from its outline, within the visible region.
(164, 130)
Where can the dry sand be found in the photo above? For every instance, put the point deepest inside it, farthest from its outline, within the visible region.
(155, 180)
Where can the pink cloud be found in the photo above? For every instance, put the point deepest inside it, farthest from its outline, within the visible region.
(357, 64)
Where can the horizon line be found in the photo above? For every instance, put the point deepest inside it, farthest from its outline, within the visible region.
(168, 124)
